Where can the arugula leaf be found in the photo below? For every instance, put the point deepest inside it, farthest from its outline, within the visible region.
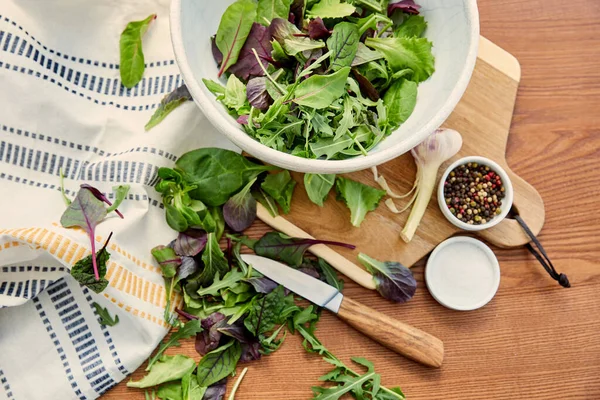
(191, 328)
(402, 52)
(359, 198)
(318, 186)
(331, 9)
(319, 91)
(165, 369)
(240, 210)
(271, 9)
(280, 247)
(280, 187)
(400, 101)
(233, 31)
(191, 390)
(214, 260)
(84, 272)
(231, 278)
(247, 65)
(393, 280)
(343, 45)
(411, 26)
(330, 148)
(132, 57)
(364, 55)
(217, 173)
(218, 364)
(168, 104)
(105, 318)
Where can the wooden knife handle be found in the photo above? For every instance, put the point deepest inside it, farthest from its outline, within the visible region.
(393, 334)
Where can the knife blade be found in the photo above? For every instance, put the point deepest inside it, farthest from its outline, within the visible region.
(395, 335)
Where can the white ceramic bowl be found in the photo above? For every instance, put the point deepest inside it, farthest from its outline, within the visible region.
(453, 29)
(506, 202)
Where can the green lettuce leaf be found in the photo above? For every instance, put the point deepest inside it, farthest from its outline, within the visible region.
(318, 186)
(271, 9)
(331, 9)
(132, 57)
(412, 26)
(402, 52)
(166, 369)
(359, 198)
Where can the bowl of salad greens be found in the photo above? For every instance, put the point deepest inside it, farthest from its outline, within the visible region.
(326, 86)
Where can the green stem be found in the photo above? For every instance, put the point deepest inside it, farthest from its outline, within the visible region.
(282, 90)
(237, 384)
(62, 188)
(427, 177)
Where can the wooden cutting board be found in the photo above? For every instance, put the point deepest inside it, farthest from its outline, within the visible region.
(483, 117)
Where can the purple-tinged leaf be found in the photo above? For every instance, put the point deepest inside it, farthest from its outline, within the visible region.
(216, 391)
(317, 29)
(250, 351)
(234, 28)
(310, 271)
(100, 196)
(190, 242)
(85, 212)
(262, 285)
(169, 103)
(297, 10)
(280, 29)
(289, 250)
(247, 65)
(189, 266)
(257, 93)
(217, 55)
(209, 338)
(243, 119)
(393, 280)
(83, 271)
(185, 314)
(406, 6)
(239, 211)
(167, 260)
(365, 85)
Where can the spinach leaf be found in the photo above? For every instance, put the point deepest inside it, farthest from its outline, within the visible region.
(191, 328)
(400, 101)
(132, 57)
(359, 198)
(247, 65)
(191, 390)
(214, 261)
(218, 364)
(240, 210)
(168, 104)
(343, 45)
(280, 187)
(84, 272)
(364, 55)
(279, 247)
(269, 311)
(230, 279)
(318, 186)
(411, 26)
(217, 173)
(233, 31)
(105, 317)
(319, 91)
(169, 391)
(166, 369)
(393, 280)
(331, 9)
(402, 52)
(271, 9)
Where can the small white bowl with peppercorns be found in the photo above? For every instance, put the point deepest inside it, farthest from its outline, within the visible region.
(475, 193)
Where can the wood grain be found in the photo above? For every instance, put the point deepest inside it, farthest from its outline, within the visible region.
(535, 340)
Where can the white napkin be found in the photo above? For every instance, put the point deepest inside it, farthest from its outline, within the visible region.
(62, 105)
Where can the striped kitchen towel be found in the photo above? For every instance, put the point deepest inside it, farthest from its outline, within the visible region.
(62, 105)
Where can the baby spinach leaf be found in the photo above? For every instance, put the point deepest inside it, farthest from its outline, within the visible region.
(132, 56)
(230, 279)
(167, 259)
(215, 263)
(402, 52)
(412, 26)
(317, 29)
(166, 369)
(331, 9)
(169, 391)
(247, 65)
(318, 186)
(218, 364)
(105, 317)
(168, 104)
(400, 101)
(191, 390)
(279, 247)
(343, 45)
(364, 55)
(394, 281)
(84, 272)
(190, 242)
(191, 328)
(233, 31)
(271, 9)
(240, 210)
(267, 201)
(217, 173)
(320, 91)
(406, 6)
(280, 187)
(359, 198)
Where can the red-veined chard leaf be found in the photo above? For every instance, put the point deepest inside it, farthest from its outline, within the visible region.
(319, 91)
(240, 210)
(257, 94)
(318, 186)
(233, 31)
(190, 242)
(359, 198)
(270, 9)
(331, 9)
(167, 260)
(317, 29)
(132, 56)
(168, 104)
(84, 272)
(393, 280)
(120, 194)
(218, 364)
(269, 311)
(280, 187)
(343, 45)
(247, 65)
(280, 247)
(406, 6)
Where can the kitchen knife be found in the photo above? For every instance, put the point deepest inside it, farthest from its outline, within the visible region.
(393, 334)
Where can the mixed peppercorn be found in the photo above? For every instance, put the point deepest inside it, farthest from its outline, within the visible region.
(474, 193)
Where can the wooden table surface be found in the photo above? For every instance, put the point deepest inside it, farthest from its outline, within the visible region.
(535, 340)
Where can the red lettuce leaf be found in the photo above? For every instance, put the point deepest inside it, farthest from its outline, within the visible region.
(366, 87)
(393, 280)
(297, 10)
(406, 6)
(262, 285)
(190, 242)
(209, 338)
(317, 29)
(257, 94)
(247, 65)
(216, 391)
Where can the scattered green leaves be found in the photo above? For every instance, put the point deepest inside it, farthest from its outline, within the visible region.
(132, 56)
(318, 187)
(191, 328)
(218, 364)
(168, 104)
(280, 187)
(105, 317)
(359, 198)
(165, 369)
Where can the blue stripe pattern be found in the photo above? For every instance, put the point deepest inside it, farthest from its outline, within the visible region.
(84, 344)
(58, 347)
(31, 287)
(4, 383)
